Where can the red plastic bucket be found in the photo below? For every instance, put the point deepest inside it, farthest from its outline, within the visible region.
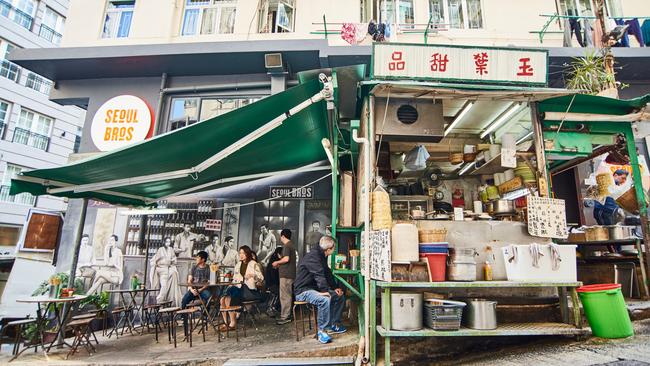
(599, 287)
(437, 265)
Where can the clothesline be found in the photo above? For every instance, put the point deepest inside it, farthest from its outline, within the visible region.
(588, 16)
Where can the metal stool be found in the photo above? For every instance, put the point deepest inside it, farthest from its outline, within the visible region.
(311, 310)
(91, 316)
(169, 312)
(247, 307)
(189, 321)
(232, 309)
(150, 313)
(81, 331)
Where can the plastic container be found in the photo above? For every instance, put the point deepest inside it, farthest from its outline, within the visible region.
(406, 311)
(462, 271)
(437, 265)
(605, 310)
(443, 314)
(404, 243)
(428, 248)
(521, 268)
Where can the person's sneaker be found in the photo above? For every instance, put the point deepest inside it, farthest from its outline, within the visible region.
(323, 337)
(283, 321)
(338, 329)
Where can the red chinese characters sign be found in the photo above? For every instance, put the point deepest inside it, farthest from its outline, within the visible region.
(460, 63)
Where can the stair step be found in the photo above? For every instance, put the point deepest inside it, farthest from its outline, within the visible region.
(329, 361)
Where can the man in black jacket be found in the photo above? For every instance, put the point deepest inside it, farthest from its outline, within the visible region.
(316, 285)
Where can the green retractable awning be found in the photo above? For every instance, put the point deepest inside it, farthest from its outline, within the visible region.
(240, 145)
(584, 103)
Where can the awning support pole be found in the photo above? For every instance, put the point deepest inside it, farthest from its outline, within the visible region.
(75, 260)
(538, 140)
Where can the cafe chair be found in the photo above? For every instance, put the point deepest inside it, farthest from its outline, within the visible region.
(13, 330)
(81, 331)
(150, 314)
(298, 316)
(166, 316)
(91, 316)
(232, 309)
(249, 308)
(189, 320)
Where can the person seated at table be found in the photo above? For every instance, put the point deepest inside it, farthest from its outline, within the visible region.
(108, 270)
(200, 276)
(247, 275)
(316, 285)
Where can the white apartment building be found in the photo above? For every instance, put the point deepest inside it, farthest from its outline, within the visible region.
(35, 132)
(473, 22)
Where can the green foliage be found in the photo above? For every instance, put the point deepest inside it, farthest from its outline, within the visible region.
(589, 74)
(100, 301)
(44, 287)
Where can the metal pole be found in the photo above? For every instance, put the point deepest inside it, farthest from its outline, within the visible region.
(538, 139)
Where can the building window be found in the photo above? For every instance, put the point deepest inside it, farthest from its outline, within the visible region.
(20, 11)
(52, 26)
(614, 8)
(77, 141)
(8, 69)
(38, 83)
(575, 7)
(117, 22)
(276, 16)
(457, 14)
(33, 129)
(4, 117)
(186, 111)
(209, 17)
(24, 198)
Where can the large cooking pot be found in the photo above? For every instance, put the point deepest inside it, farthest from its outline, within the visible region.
(481, 314)
(620, 232)
(406, 311)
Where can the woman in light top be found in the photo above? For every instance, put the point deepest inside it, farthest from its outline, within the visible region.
(247, 275)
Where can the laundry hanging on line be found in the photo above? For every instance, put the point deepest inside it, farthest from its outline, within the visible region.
(645, 31)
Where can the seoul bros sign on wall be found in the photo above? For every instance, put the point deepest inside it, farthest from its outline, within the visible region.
(460, 63)
(121, 121)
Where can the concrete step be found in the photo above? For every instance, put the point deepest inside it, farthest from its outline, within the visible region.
(314, 361)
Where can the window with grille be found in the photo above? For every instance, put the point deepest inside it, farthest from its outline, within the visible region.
(24, 198)
(33, 129)
(52, 26)
(8, 69)
(20, 12)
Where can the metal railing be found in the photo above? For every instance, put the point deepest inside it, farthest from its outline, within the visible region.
(38, 83)
(23, 198)
(18, 16)
(26, 137)
(50, 34)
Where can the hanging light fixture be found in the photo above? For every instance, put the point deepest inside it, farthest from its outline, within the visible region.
(459, 117)
(504, 117)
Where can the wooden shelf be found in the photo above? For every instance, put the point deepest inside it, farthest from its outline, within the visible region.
(490, 167)
(515, 329)
(476, 284)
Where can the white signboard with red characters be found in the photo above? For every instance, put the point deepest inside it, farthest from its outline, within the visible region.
(460, 63)
(121, 121)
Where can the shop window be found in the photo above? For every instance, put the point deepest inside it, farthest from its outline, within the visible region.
(4, 118)
(8, 69)
(117, 22)
(20, 11)
(38, 83)
(186, 111)
(209, 17)
(24, 198)
(276, 16)
(52, 26)
(457, 14)
(9, 236)
(33, 129)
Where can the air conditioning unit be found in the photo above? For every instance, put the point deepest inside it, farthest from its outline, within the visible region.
(409, 120)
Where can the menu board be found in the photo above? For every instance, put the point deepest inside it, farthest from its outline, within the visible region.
(547, 218)
(380, 268)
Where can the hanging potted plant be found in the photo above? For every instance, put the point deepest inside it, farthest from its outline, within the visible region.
(589, 74)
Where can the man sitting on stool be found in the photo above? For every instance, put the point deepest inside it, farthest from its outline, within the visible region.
(199, 275)
(316, 285)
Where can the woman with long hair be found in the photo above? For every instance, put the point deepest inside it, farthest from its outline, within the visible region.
(247, 274)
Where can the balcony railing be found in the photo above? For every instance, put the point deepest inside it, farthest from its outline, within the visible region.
(18, 16)
(26, 137)
(38, 83)
(50, 34)
(9, 70)
(23, 198)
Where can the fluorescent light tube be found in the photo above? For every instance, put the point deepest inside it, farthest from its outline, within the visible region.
(524, 138)
(504, 117)
(162, 211)
(460, 116)
(467, 167)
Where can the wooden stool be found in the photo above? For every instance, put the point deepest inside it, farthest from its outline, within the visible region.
(169, 312)
(311, 310)
(232, 309)
(91, 316)
(18, 327)
(189, 321)
(80, 329)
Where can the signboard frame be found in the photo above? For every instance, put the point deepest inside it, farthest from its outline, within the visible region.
(292, 188)
(373, 60)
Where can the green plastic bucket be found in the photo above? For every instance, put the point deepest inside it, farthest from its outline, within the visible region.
(606, 311)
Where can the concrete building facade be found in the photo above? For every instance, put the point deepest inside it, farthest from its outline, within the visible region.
(35, 132)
